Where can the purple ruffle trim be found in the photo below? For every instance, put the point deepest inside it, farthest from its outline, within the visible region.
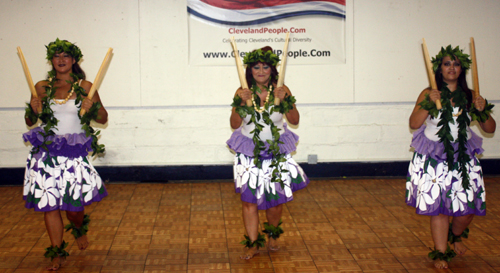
(435, 149)
(240, 143)
(68, 145)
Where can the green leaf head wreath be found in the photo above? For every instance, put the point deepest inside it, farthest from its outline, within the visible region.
(257, 56)
(453, 53)
(63, 46)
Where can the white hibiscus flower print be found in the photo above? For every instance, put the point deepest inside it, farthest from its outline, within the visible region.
(293, 172)
(47, 193)
(409, 188)
(30, 182)
(238, 170)
(263, 178)
(75, 185)
(458, 197)
(428, 190)
(247, 171)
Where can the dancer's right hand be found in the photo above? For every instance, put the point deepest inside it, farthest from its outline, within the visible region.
(36, 103)
(434, 95)
(244, 94)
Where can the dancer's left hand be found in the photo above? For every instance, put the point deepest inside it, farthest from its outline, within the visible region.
(86, 104)
(280, 93)
(479, 103)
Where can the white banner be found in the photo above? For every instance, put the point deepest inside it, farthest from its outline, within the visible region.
(317, 30)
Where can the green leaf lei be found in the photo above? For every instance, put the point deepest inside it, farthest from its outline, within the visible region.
(50, 122)
(56, 251)
(481, 116)
(82, 230)
(444, 134)
(447, 256)
(260, 242)
(285, 106)
(452, 238)
(273, 231)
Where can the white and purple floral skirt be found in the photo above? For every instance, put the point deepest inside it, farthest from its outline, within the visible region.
(60, 177)
(433, 188)
(254, 183)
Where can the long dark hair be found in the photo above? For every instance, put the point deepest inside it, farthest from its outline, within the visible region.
(462, 82)
(248, 71)
(77, 70)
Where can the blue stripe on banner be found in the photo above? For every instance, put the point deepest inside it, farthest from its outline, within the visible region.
(267, 19)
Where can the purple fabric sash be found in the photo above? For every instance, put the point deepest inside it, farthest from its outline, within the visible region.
(68, 145)
(435, 149)
(240, 143)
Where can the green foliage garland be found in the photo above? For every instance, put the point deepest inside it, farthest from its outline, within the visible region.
(285, 106)
(444, 134)
(59, 46)
(260, 242)
(79, 231)
(481, 116)
(453, 53)
(56, 251)
(447, 256)
(272, 231)
(429, 106)
(48, 119)
(30, 114)
(452, 238)
(258, 56)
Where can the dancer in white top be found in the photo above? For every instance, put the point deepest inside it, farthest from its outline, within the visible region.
(445, 177)
(58, 174)
(264, 172)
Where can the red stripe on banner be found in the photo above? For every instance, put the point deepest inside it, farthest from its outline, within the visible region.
(255, 4)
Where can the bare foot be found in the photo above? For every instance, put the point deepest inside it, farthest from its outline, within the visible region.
(82, 242)
(56, 263)
(273, 245)
(249, 253)
(460, 248)
(440, 264)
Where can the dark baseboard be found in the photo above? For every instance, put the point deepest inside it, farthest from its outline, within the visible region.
(163, 174)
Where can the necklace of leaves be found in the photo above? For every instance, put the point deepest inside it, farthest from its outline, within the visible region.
(47, 115)
(285, 106)
(444, 134)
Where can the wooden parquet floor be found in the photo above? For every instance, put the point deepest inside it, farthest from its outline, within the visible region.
(344, 225)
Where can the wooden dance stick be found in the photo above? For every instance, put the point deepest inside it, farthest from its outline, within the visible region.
(281, 79)
(475, 78)
(239, 67)
(28, 76)
(430, 73)
(98, 77)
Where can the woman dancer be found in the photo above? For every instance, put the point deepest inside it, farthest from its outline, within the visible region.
(445, 177)
(264, 172)
(58, 174)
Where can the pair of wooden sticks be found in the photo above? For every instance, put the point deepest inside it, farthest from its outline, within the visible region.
(430, 72)
(241, 72)
(90, 95)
